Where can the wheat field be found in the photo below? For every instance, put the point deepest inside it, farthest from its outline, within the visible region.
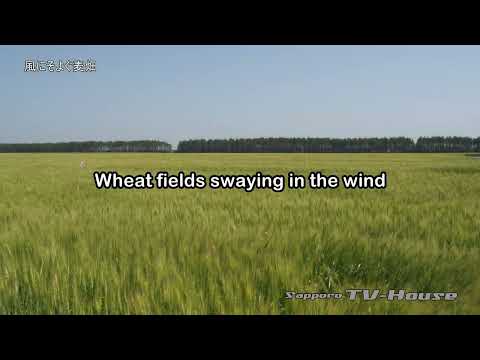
(67, 247)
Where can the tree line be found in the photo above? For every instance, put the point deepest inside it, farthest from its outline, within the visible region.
(91, 146)
(392, 144)
(265, 145)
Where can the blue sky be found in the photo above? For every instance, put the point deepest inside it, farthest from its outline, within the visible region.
(180, 92)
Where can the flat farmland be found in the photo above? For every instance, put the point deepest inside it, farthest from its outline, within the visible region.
(67, 247)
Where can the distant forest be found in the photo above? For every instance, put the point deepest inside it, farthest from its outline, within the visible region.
(91, 146)
(264, 145)
(315, 145)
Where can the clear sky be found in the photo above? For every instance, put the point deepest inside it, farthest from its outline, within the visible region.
(180, 92)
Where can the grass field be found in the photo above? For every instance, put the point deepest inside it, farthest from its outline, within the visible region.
(68, 248)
